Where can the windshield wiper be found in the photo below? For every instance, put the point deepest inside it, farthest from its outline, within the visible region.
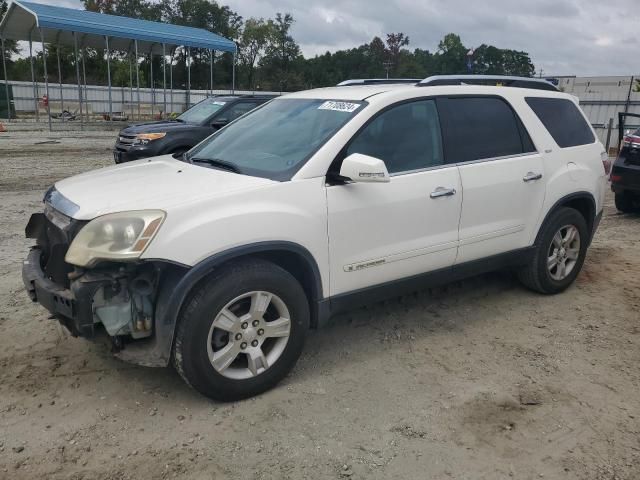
(218, 163)
(179, 120)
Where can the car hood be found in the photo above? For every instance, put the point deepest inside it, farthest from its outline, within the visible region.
(153, 183)
(160, 126)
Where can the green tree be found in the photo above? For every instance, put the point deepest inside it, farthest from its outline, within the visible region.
(141, 9)
(451, 55)
(517, 63)
(395, 42)
(10, 46)
(282, 52)
(210, 16)
(253, 44)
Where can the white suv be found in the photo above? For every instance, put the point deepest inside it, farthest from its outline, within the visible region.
(219, 262)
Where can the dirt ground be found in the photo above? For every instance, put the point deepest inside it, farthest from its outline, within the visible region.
(479, 380)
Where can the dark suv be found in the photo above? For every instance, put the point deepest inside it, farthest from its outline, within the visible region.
(625, 174)
(176, 136)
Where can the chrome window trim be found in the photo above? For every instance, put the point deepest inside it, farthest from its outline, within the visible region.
(503, 157)
(460, 164)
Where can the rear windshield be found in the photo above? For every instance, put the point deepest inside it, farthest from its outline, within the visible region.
(201, 111)
(563, 120)
(276, 139)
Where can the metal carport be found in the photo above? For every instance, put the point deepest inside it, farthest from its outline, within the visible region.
(81, 29)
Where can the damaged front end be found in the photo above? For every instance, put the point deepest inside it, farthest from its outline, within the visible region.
(118, 299)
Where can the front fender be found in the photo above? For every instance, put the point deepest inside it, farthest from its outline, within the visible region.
(178, 281)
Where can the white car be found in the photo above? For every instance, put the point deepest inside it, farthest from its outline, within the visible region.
(315, 202)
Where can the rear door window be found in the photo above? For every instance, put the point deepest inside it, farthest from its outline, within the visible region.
(563, 120)
(477, 128)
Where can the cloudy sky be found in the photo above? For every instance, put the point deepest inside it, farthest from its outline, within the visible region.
(563, 37)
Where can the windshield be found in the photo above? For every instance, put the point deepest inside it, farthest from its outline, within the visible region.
(201, 111)
(275, 140)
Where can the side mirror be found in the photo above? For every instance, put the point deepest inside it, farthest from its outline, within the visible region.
(363, 168)
(219, 122)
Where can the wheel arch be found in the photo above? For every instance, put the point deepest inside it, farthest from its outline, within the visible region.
(290, 256)
(583, 202)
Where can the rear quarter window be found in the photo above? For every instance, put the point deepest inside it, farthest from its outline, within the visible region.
(563, 120)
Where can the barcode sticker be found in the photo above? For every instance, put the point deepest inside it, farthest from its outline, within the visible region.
(346, 107)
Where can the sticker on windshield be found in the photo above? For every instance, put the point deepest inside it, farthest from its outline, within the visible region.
(339, 106)
(218, 103)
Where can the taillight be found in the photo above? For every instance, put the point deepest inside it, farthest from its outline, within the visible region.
(616, 178)
(627, 141)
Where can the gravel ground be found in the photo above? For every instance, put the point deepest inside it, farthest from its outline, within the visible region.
(479, 380)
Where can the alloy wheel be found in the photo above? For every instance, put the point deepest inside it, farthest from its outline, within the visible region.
(564, 252)
(248, 335)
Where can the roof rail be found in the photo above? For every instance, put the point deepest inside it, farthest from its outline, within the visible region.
(495, 80)
(376, 81)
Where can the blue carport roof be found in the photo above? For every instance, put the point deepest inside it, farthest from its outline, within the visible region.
(58, 23)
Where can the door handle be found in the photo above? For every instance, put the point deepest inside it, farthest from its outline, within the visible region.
(443, 192)
(530, 176)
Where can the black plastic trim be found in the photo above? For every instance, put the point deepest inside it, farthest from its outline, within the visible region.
(169, 305)
(568, 198)
(376, 293)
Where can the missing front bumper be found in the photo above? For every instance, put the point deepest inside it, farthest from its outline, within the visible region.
(72, 306)
(145, 341)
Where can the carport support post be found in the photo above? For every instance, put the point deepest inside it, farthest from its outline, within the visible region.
(84, 77)
(137, 76)
(75, 50)
(46, 78)
(211, 71)
(131, 81)
(164, 81)
(188, 77)
(153, 91)
(106, 40)
(6, 81)
(171, 78)
(60, 81)
(233, 75)
(33, 80)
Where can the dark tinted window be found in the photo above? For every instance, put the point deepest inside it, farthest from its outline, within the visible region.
(407, 137)
(481, 127)
(564, 121)
(239, 109)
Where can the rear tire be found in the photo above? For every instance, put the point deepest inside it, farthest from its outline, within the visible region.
(560, 252)
(241, 330)
(624, 202)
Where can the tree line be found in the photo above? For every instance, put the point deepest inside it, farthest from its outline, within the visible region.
(268, 56)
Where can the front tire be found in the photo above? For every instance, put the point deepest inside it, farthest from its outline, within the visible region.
(241, 331)
(560, 252)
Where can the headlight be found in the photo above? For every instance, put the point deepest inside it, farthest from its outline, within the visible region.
(116, 236)
(144, 138)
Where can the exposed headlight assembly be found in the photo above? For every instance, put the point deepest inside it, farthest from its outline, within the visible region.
(116, 236)
(144, 138)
